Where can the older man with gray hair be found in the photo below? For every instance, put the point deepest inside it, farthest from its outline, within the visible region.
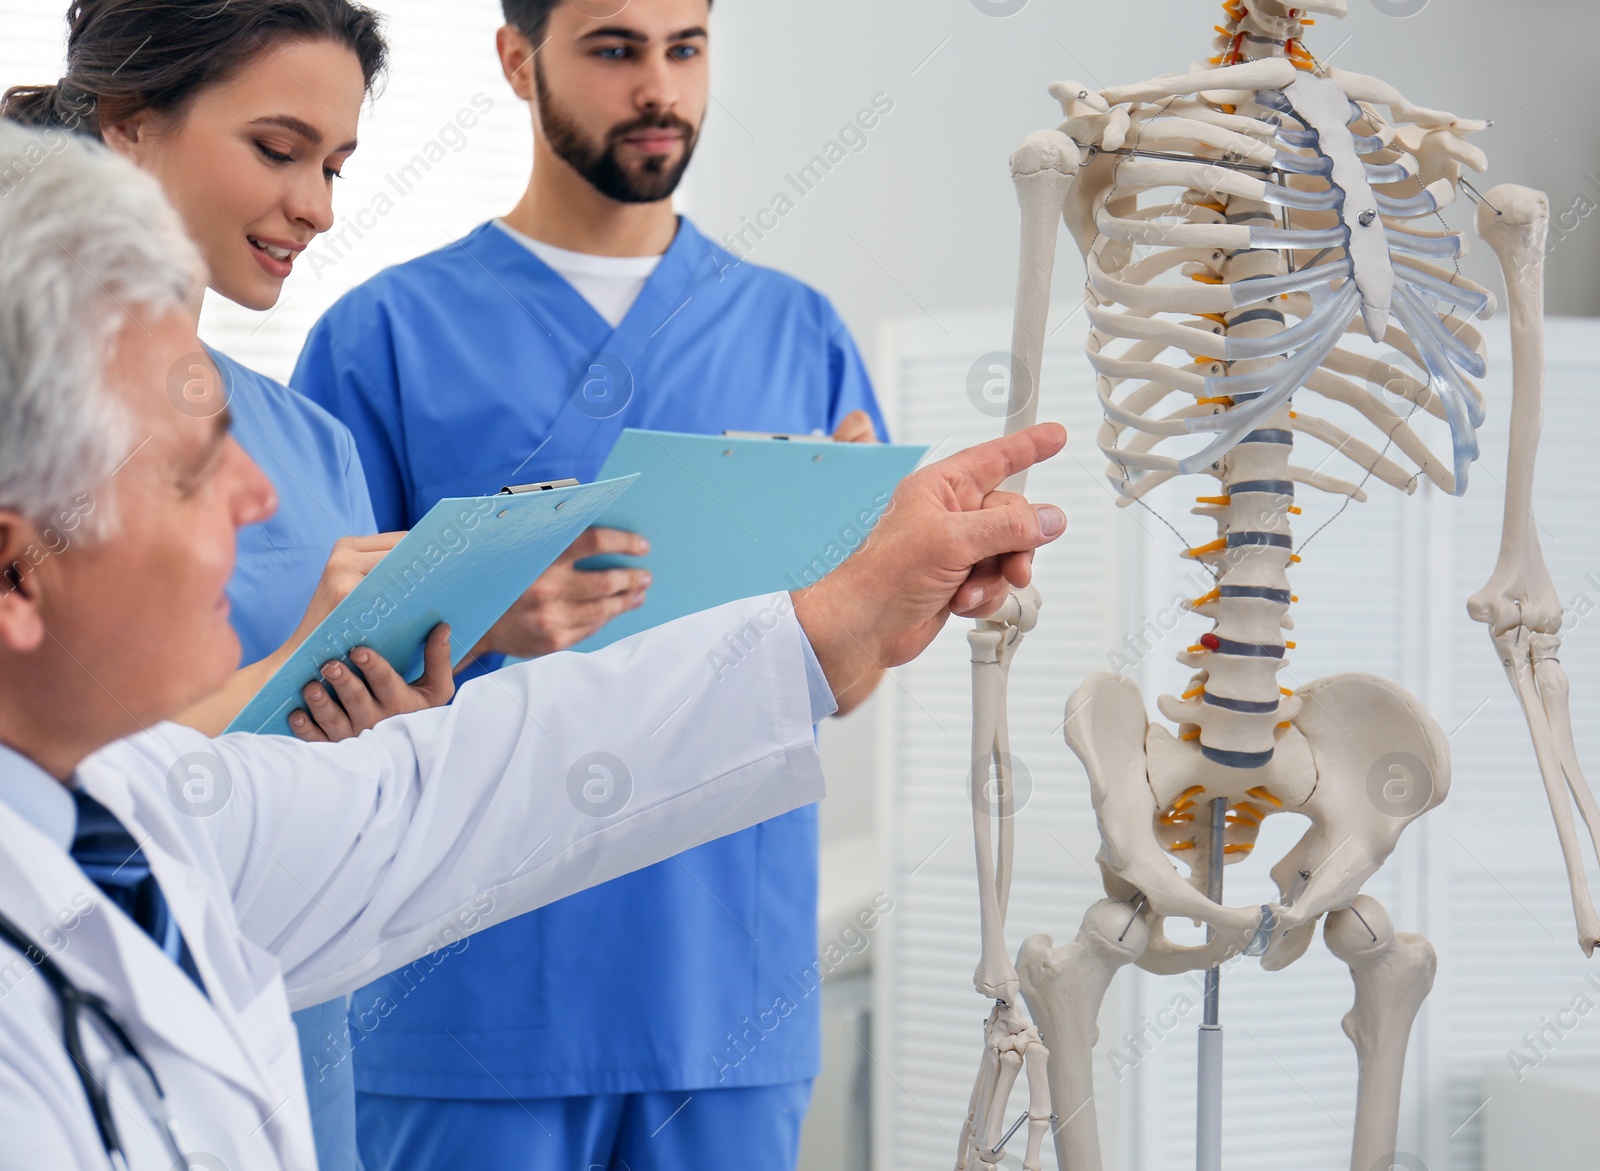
(157, 943)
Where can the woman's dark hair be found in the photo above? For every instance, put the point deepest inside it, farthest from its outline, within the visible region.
(126, 56)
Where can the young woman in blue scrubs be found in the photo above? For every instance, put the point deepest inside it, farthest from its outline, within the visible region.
(245, 110)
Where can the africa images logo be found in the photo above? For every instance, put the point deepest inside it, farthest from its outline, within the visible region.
(599, 785)
(199, 784)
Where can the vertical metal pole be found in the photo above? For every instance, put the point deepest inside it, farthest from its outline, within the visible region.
(1208, 1084)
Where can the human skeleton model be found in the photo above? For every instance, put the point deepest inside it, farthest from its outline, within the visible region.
(1239, 223)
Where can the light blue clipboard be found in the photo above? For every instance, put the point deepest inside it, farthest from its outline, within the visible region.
(728, 518)
(463, 563)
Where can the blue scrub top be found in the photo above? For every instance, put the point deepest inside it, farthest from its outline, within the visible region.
(312, 462)
(453, 371)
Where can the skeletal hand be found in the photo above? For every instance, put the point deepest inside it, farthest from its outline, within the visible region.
(1012, 1047)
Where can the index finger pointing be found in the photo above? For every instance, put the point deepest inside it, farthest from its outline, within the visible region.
(989, 465)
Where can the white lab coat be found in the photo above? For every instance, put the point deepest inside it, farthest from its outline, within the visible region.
(327, 865)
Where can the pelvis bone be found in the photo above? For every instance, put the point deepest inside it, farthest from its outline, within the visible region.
(1361, 761)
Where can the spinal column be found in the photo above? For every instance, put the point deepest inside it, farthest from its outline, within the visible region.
(1240, 702)
(1234, 703)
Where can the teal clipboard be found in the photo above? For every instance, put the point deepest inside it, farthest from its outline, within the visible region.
(464, 563)
(729, 518)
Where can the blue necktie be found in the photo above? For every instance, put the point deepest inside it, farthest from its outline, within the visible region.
(107, 853)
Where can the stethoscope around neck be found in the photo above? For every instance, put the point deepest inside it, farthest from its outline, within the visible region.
(75, 1002)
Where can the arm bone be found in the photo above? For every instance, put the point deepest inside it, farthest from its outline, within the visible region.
(1519, 603)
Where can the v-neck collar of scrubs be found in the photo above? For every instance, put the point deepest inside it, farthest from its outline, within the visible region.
(663, 295)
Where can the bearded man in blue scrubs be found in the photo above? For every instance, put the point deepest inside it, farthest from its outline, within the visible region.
(611, 1030)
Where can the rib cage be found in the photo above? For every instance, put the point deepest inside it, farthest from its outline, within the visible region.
(1234, 242)
(1220, 221)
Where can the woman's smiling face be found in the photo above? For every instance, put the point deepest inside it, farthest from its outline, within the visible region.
(250, 162)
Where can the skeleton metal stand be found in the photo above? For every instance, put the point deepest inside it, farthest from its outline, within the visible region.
(1208, 1086)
